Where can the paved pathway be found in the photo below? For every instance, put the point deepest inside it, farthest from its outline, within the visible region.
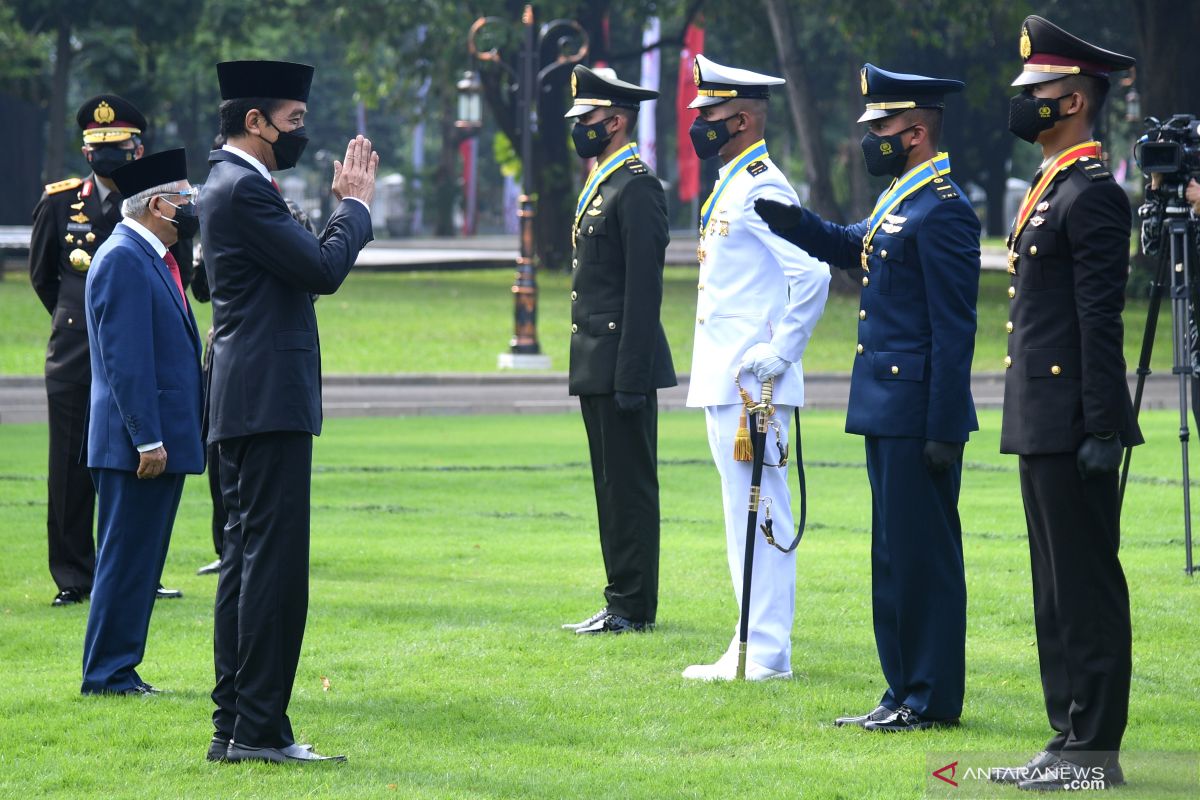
(23, 399)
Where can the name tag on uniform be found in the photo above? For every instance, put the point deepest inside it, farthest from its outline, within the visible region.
(79, 227)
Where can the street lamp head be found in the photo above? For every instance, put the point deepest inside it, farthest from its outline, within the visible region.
(470, 106)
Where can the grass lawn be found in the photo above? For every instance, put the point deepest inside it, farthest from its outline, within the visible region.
(460, 321)
(447, 551)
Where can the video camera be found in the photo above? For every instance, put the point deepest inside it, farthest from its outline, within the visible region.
(1169, 153)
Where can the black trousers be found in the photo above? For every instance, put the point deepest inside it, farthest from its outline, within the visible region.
(262, 591)
(1080, 603)
(624, 452)
(219, 517)
(72, 495)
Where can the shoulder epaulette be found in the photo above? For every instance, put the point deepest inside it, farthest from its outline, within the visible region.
(637, 167)
(943, 189)
(62, 186)
(1094, 169)
(757, 168)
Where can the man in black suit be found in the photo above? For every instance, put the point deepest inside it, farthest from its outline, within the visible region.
(619, 352)
(1067, 412)
(74, 217)
(265, 393)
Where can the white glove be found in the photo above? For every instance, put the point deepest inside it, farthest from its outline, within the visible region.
(763, 361)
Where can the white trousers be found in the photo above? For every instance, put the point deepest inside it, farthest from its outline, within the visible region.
(773, 587)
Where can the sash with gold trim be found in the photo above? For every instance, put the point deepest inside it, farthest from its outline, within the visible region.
(900, 190)
(600, 174)
(1034, 195)
(753, 153)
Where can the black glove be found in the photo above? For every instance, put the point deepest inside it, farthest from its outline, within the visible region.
(1099, 453)
(630, 402)
(779, 217)
(941, 456)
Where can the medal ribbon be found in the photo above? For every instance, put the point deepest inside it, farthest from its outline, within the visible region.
(600, 173)
(1064, 160)
(901, 188)
(753, 153)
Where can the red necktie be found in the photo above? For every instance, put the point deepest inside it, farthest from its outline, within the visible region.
(173, 265)
(275, 183)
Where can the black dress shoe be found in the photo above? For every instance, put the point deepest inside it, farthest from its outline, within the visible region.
(210, 569)
(878, 715)
(904, 719)
(292, 754)
(167, 594)
(611, 623)
(592, 620)
(1066, 776)
(69, 597)
(218, 747)
(1038, 763)
(148, 689)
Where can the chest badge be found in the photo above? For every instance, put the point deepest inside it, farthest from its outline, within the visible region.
(80, 218)
(599, 199)
(594, 212)
(80, 259)
(890, 228)
(1042, 206)
(77, 206)
(723, 227)
(1036, 221)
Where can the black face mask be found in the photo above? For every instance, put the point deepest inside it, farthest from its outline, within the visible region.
(185, 220)
(709, 137)
(288, 147)
(105, 160)
(1028, 115)
(885, 155)
(590, 140)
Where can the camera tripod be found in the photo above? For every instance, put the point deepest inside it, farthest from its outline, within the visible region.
(1176, 248)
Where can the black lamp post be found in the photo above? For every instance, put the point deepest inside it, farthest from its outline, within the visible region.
(527, 79)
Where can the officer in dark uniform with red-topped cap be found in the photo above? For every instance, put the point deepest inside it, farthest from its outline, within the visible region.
(619, 352)
(1067, 411)
(70, 222)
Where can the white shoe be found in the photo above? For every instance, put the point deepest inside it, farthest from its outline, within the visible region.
(726, 670)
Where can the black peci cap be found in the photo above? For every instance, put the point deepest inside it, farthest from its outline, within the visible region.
(1050, 53)
(592, 89)
(281, 80)
(109, 118)
(150, 171)
(889, 93)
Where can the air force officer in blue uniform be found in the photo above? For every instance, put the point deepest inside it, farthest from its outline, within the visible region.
(265, 395)
(145, 404)
(910, 392)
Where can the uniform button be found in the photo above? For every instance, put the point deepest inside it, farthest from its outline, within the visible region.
(574, 263)
(1012, 292)
(612, 326)
(591, 228)
(70, 320)
(1083, 158)
(866, 280)
(700, 286)
(1008, 326)
(574, 328)
(862, 314)
(883, 253)
(1007, 362)
(895, 370)
(1056, 370)
(574, 295)
(700, 320)
(870, 249)
(1033, 250)
(860, 349)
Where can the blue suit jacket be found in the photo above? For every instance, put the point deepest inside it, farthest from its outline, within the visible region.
(263, 268)
(145, 355)
(916, 330)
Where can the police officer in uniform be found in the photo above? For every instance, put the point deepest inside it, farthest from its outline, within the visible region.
(758, 302)
(910, 389)
(619, 352)
(1067, 412)
(70, 222)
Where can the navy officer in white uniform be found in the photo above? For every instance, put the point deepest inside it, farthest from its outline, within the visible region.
(759, 299)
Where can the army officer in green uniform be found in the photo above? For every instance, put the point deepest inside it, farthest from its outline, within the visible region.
(619, 352)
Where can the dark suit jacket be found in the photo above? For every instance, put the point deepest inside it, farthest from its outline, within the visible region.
(63, 220)
(262, 266)
(916, 329)
(145, 354)
(617, 340)
(1066, 375)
